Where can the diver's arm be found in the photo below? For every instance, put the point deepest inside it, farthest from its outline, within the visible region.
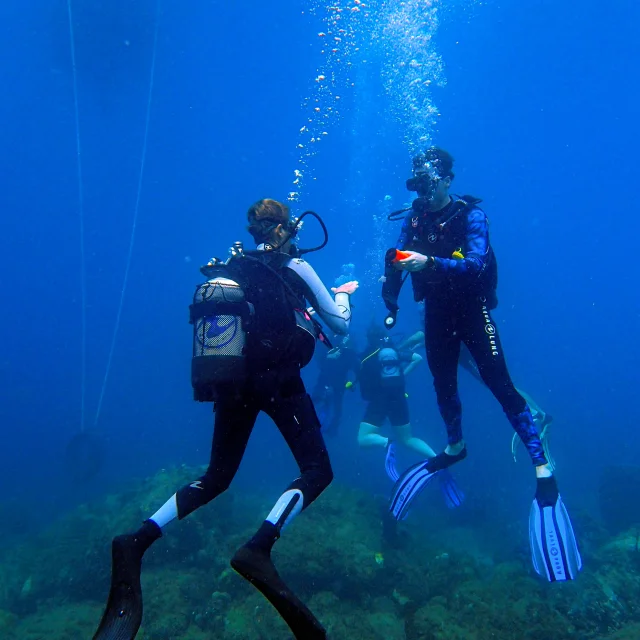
(392, 281)
(391, 286)
(413, 341)
(475, 250)
(336, 314)
(416, 359)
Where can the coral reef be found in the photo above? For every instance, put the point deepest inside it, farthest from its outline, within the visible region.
(440, 582)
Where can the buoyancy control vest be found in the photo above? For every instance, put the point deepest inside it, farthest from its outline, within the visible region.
(381, 372)
(248, 318)
(445, 237)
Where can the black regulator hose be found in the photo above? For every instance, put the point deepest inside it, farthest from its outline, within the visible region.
(301, 252)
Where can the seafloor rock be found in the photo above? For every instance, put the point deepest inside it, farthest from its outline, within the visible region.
(618, 495)
(437, 583)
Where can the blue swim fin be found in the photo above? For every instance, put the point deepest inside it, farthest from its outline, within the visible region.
(408, 487)
(413, 481)
(554, 549)
(390, 462)
(451, 492)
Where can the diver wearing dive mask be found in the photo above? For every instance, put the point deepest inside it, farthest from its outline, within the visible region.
(444, 244)
(276, 234)
(432, 176)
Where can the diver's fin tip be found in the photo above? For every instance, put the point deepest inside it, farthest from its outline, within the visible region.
(256, 567)
(123, 614)
(122, 617)
(554, 549)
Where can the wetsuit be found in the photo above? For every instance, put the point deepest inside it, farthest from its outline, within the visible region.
(281, 394)
(329, 389)
(458, 286)
(382, 385)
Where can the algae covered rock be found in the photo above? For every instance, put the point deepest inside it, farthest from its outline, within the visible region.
(436, 583)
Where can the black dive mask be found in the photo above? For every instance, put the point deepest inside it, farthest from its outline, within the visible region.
(423, 184)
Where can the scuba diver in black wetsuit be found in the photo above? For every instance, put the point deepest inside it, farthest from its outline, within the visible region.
(382, 372)
(541, 418)
(266, 294)
(444, 245)
(328, 392)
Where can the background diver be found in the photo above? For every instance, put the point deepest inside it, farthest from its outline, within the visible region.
(333, 374)
(446, 249)
(273, 385)
(381, 378)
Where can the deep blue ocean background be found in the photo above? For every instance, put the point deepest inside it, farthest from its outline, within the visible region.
(539, 110)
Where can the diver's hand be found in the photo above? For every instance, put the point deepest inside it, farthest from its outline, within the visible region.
(415, 262)
(348, 287)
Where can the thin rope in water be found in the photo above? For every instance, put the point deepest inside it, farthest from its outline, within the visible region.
(83, 274)
(135, 216)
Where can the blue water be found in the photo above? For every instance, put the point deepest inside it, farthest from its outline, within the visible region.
(539, 110)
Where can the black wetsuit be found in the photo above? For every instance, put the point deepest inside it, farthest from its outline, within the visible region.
(329, 389)
(272, 385)
(459, 293)
(382, 386)
(282, 396)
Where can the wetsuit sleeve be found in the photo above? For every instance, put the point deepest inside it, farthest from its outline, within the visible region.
(475, 249)
(391, 288)
(404, 234)
(392, 283)
(336, 314)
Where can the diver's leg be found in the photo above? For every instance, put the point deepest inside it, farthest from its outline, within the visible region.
(480, 334)
(399, 418)
(443, 352)
(234, 421)
(369, 436)
(296, 419)
(416, 444)
(369, 431)
(468, 363)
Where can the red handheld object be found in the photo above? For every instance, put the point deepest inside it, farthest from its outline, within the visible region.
(401, 255)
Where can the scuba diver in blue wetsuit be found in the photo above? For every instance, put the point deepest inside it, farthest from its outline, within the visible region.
(444, 245)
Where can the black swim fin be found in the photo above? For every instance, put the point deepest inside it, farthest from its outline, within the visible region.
(123, 615)
(257, 567)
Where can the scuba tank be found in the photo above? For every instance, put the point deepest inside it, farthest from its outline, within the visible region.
(220, 315)
(247, 319)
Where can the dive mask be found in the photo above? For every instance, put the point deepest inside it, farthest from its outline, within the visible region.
(423, 183)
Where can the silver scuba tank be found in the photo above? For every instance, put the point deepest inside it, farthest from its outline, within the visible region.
(218, 314)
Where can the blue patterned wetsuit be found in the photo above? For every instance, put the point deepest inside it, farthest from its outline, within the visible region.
(459, 294)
